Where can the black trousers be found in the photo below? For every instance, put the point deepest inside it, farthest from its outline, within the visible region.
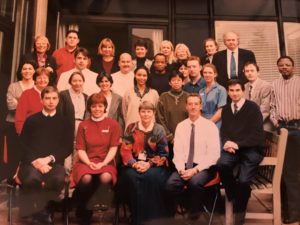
(38, 189)
(238, 187)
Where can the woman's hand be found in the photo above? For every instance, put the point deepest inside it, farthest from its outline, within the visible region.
(96, 166)
(141, 166)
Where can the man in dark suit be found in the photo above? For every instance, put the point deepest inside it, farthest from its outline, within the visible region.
(230, 62)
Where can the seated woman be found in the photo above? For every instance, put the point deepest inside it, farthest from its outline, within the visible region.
(114, 101)
(96, 144)
(213, 95)
(145, 154)
(30, 100)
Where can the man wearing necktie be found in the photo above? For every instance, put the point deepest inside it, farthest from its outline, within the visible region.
(230, 62)
(196, 151)
(242, 141)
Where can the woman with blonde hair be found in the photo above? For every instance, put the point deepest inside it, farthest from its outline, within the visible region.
(167, 48)
(182, 52)
(105, 61)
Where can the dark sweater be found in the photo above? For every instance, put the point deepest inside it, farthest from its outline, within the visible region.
(245, 128)
(43, 136)
(159, 82)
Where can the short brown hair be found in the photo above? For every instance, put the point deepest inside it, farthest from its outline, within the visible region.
(192, 95)
(97, 98)
(49, 89)
(147, 105)
(196, 58)
(39, 71)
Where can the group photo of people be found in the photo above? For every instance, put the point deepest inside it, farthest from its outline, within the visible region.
(152, 131)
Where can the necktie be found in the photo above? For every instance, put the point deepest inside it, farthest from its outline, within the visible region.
(233, 74)
(235, 109)
(250, 90)
(190, 160)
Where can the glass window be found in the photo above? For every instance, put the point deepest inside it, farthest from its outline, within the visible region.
(292, 42)
(259, 37)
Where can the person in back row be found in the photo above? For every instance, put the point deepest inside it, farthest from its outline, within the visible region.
(196, 80)
(81, 63)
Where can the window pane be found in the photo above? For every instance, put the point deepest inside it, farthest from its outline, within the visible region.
(259, 37)
(292, 42)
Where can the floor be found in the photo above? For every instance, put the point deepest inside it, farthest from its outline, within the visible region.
(106, 217)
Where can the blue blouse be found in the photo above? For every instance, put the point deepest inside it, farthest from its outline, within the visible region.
(213, 100)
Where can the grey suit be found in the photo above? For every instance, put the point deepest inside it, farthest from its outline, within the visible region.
(115, 110)
(261, 94)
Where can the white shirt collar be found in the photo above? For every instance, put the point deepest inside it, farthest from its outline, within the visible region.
(98, 119)
(142, 128)
(35, 88)
(47, 114)
(239, 104)
(254, 83)
(72, 92)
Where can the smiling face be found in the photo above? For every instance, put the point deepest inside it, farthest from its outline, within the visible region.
(97, 110)
(146, 116)
(105, 84)
(210, 48)
(285, 68)
(77, 83)
(41, 81)
(81, 61)
(125, 63)
(27, 71)
(209, 75)
(41, 45)
(184, 70)
(166, 49)
(141, 77)
(160, 63)
(181, 53)
(140, 51)
(107, 49)
(235, 92)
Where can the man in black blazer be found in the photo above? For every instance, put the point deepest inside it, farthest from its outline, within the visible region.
(223, 60)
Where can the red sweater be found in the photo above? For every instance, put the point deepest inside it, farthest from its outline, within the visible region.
(29, 103)
(64, 60)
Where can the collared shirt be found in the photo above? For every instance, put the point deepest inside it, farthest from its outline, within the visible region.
(78, 103)
(122, 82)
(38, 91)
(207, 143)
(285, 99)
(239, 104)
(144, 129)
(89, 86)
(194, 88)
(97, 119)
(236, 57)
(48, 114)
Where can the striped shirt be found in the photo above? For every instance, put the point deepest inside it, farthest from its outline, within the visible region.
(285, 99)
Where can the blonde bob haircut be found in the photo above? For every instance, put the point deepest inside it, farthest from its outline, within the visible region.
(44, 38)
(105, 42)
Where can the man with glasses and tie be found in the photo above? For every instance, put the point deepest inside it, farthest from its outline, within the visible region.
(258, 91)
(230, 62)
(242, 140)
(196, 151)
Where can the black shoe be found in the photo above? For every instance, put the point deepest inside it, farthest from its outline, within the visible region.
(43, 217)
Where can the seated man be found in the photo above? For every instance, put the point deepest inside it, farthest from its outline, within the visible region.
(242, 140)
(194, 157)
(47, 139)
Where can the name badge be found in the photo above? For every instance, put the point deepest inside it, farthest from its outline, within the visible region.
(105, 131)
(142, 156)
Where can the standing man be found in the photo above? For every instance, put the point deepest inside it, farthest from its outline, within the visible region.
(123, 79)
(64, 57)
(196, 82)
(230, 62)
(258, 91)
(160, 73)
(46, 140)
(81, 62)
(196, 151)
(285, 113)
(242, 141)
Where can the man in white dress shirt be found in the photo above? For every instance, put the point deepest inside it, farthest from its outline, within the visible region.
(81, 62)
(123, 79)
(196, 151)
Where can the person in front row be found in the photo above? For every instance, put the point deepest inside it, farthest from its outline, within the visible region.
(196, 151)
(46, 141)
(97, 142)
(242, 139)
(145, 155)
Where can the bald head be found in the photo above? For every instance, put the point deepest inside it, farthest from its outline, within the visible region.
(125, 63)
(231, 40)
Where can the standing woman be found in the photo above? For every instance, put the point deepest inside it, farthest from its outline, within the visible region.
(42, 58)
(166, 48)
(210, 47)
(96, 143)
(13, 95)
(141, 49)
(182, 68)
(139, 93)
(144, 154)
(72, 105)
(213, 95)
(30, 100)
(105, 61)
(182, 52)
(114, 101)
